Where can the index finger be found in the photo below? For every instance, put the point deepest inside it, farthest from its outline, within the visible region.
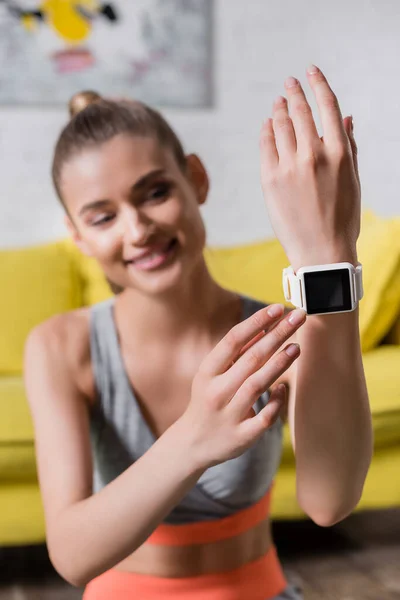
(328, 107)
(229, 348)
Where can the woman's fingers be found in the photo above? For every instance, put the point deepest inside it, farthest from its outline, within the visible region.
(328, 106)
(255, 426)
(302, 117)
(229, 348)
(251, 343)
(285, 138)
(349, 127)
(259, 353)
(287, 134)
(268, 151)
(255, 339)
(262, 379)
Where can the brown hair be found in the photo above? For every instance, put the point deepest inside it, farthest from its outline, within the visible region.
(81, 100)
(96, 120)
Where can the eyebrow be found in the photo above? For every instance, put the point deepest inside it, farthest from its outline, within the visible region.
(140, 183)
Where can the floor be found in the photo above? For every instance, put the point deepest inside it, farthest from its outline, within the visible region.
(358, 559)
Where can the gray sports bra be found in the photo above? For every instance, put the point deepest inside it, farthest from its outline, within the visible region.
(120, 435)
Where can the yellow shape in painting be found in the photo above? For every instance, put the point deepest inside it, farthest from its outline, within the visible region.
(66, 19)
(29, 22)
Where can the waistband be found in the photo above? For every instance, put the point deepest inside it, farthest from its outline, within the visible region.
(262, 579)
(205, 532)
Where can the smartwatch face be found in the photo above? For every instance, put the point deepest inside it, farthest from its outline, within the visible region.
(327, 291)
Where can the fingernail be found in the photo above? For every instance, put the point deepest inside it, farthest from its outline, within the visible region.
(352, 123)
(296, 316)
(312, 69)
(280, 100)
(292, 350)
(291, 82)
(282, 388)
(275, 310)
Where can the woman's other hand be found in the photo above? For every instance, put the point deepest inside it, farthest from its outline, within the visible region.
(311, 184)
(220, 419)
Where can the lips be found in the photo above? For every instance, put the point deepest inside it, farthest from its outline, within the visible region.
(156, 249)
(154, 257)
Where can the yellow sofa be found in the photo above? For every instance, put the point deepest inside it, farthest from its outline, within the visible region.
(44, 280)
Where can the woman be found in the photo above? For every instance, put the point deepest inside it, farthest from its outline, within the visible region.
(170, 396)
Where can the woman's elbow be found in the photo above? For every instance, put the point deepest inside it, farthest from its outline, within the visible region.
(328, 519)
(327, 514)
(67, 568)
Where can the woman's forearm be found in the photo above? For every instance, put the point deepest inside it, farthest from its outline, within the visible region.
(331, 417)
(97, 533)
(312, 188)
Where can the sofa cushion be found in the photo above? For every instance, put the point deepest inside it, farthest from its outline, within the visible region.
(393, 336)
(21, 517)
(382, 374)
(17, 455)
(17, 463)
(36, 283)
(379, 251)
(94, 286)
(15, 419)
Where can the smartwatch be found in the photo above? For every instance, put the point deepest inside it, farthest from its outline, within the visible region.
(324, 289)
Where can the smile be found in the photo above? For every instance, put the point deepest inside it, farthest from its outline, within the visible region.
(155, 259)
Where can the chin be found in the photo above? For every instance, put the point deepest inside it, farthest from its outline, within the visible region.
(157, 283)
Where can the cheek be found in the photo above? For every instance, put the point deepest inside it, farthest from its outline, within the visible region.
(194, 225)
(172, 217)
(105, 245)
(171, 214)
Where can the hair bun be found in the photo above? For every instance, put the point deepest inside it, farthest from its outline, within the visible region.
(81, 100)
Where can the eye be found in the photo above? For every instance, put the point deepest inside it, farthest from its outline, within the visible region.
(100, 220)
(159, 191)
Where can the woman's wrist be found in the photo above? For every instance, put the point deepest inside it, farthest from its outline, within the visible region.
(187, 452)
(325, 256)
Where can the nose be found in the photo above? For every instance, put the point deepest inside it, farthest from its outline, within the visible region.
(137, 227)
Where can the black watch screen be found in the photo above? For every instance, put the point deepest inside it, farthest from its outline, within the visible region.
(327, 291)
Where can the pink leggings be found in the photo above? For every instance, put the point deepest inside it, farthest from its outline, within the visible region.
(262, 579)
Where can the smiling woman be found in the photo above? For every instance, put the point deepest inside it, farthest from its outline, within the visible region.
(123, 118)
(132, 200)
(158, 414)
(92, 172)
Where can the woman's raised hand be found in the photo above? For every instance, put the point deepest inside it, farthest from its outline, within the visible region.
(220, 419)
(311, 184)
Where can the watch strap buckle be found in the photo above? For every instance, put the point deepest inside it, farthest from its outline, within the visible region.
(358, 285)
(292, 287)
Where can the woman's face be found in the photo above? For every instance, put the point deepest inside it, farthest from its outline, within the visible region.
(133, 209)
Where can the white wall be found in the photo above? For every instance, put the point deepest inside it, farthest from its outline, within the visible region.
(257, 45)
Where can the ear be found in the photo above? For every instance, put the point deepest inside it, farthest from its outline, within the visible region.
(198, 177)
(76, 236)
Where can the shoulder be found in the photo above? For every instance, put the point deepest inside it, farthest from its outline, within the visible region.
(61, 342)
(63, 332)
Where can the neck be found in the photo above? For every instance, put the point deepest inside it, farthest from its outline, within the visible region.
(190, 308)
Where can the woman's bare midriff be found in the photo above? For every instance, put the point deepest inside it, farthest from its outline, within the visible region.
(200, 559)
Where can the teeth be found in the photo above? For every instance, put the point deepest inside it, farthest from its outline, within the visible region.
(149, 257)
(153, 255)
